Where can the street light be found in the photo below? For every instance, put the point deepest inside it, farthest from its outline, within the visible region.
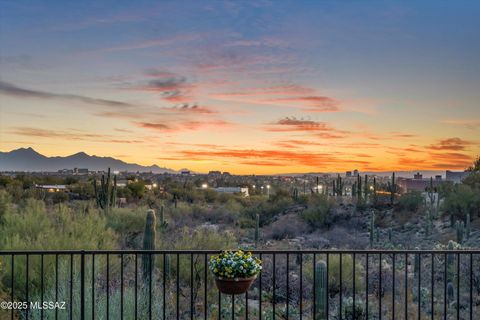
(268, 190)
(204, 186)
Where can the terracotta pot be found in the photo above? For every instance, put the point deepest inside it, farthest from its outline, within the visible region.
(234, 286)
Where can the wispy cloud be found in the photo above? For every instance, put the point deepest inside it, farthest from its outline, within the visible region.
(16, 91)
(315, 128)
(181, 126)
(467, 123)
(294, 96)
(452, 144)
(271, 157)
(76, 135)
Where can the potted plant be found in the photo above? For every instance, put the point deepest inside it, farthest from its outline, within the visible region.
(235, 271)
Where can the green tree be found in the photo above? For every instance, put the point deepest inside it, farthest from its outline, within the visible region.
(461, 201)
(318, 212)
(410, 201)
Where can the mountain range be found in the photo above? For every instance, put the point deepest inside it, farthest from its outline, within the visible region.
(27, 159)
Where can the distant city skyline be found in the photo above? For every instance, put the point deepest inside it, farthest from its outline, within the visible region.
(258, 87)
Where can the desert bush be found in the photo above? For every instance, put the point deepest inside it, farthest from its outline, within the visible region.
(32, 227)
(266, 208)
(288, 226)
(127, 220)
(461, 201)
(410, 201)
(5, 204)
(318, 212)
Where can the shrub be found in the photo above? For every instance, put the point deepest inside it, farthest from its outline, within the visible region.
(462, 200)
(318, 212)
(410, 201)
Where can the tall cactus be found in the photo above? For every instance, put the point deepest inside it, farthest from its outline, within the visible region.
(295, 194)
(354, 189)
(366, 191)
(149, 236)
(334, 188)
(468, 227)
(339, 185)
(106, 193)
(450, 292)
(162, 223)
(359, 187)
(321, 294)
(392, 188)
(372, 228)
(257, 226)
(374, 190)
(416, 265)
(450, 261)
(460, 226)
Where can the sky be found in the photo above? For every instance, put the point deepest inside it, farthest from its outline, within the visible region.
(249, 87)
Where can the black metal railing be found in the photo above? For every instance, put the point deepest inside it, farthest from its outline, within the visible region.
(176, 284)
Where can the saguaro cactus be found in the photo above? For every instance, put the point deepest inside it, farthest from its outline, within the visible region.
(162, 223)
(372, 228)
(392, 188)
(339, 185)
(450, 292)
(321, 294)
(106, 193)
(450, 261)
(149, 236)
(257, 226)
(460, 226)
(359, 187)
(295, 194)
(366, 191)
(374, 190)
(468, 227)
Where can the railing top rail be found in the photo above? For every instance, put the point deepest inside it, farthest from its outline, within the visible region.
(329, 251)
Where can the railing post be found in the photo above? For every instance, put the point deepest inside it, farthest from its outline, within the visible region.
(82, 285)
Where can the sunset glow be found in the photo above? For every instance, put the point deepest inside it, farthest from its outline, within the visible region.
(249, 88)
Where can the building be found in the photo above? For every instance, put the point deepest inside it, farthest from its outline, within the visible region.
(232, 190)
(348, 174)
(185, 172)
(355, 173)
(65, 171)
(51, 187)
(418, 183)
(456, 176)
(214, 174)
(80, 171)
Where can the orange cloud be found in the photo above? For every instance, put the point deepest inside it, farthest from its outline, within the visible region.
(467, 123)
(453, 144)
(295, 96)
(319, 129)
(185, 125)
(267, 157)
(308, 103)
(72, 134)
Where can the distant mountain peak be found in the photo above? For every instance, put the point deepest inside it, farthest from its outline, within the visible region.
(27, 159)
